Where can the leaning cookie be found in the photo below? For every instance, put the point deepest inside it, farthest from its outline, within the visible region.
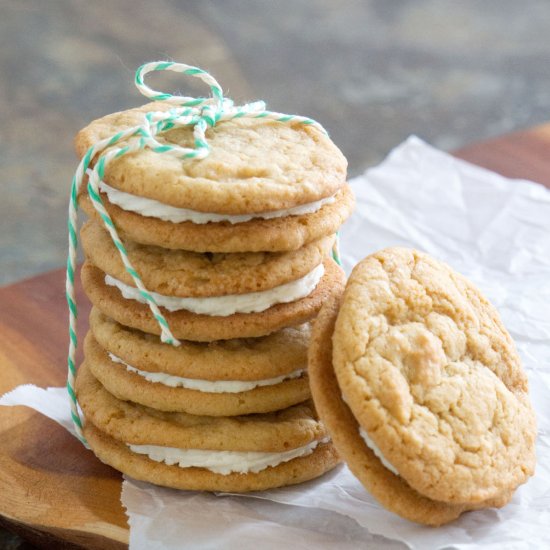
(422, 390)
(237, 454)
(226, 378)
(218, 317)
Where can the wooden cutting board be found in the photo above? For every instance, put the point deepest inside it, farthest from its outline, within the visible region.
(55, 493)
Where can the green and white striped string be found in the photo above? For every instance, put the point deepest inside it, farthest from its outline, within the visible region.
(200, 113)
(336, 250)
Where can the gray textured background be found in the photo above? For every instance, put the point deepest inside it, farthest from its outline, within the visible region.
(372, 72)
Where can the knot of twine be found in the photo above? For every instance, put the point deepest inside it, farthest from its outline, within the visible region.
(200, 113)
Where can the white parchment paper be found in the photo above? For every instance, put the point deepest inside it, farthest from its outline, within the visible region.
(496, 232)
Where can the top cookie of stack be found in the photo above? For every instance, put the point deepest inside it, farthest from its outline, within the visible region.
(265, 186)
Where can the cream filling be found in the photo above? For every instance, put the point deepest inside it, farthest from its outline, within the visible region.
(253, 302)
(155, 209)
(372, 446)
(208, 386)
(222, 462)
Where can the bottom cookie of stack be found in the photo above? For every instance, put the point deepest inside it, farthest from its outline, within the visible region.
(231, 454)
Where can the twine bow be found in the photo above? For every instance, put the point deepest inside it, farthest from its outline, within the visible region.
(200, 113)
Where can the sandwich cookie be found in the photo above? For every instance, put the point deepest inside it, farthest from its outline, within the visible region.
(238, 454)
(226, 378)
(205, 319)
(253, 166)
(191, 274)
(421, 388)
(265, 186)
(257, 235)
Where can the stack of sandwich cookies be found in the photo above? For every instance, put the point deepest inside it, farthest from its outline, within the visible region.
(236, 251)
(421, 389)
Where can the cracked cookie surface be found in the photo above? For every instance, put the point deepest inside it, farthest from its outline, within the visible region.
(431, 374)
(254, 165)
(392, 491)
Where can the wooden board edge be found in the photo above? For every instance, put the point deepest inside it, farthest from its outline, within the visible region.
(42, 536)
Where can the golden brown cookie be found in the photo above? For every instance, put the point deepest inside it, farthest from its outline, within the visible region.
(112, 426)
(254, 165)
(433, 378)
(116, 454)
(258, 235)
(132, 423)
(183, 273)
(206, 328)
(389, 489)
(168, 393)
(277, 354)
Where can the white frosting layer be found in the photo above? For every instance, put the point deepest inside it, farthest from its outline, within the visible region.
(372, 446)
(222, 462)
(209, 386)
(223, 306)
(155, 209)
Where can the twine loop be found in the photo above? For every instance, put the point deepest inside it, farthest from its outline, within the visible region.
(201, 113)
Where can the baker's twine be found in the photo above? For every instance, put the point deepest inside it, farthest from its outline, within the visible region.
(201, 113)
